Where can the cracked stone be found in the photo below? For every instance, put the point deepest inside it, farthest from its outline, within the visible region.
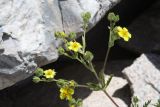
(144, 78)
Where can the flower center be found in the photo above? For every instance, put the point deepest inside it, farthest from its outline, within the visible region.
(75, 45)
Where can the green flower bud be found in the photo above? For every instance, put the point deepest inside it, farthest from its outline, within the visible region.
(36, 79)
(66, 46)
(86, 16)
(112, 17)
(72, 83)
(60, 35)
(39, 72)
(88, 56)
(61, 50)
(72, 35)
(57, 34)
(135, 99)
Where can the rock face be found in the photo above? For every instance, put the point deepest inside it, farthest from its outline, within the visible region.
(27, 28)
(144, 77)
(145, 31)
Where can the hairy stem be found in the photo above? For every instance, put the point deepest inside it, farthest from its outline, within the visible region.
(83, 86)
(110, 98)
(106, 58)
(84, 40)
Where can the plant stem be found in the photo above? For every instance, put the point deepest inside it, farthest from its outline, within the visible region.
(106, 58)
(108, 50)
(83, 86)
(110, 98)
(105, 62)
(94, 71)
(84, 40)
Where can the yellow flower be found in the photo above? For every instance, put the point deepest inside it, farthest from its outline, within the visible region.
(49, 73)
(66, 93)
(123, 33)
(74, 46)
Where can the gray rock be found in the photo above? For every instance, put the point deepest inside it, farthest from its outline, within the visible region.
(144, 77)
(27, 28)
(145, 31)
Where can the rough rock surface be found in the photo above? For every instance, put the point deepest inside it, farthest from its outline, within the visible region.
(27, 28)
(144, 77)
(145, 31)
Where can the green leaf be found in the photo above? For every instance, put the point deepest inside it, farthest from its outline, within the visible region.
(102, 78)
(147, 103)
(79, 102)
(76, 103)
(108, 81)
(94, 87)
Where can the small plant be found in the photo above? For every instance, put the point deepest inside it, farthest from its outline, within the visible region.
(135, 102)
(157, 104)
(77, 51)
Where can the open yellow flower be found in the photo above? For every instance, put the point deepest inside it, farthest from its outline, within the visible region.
(123, 33)
(49, 73)
(74, 46)
(66, 93)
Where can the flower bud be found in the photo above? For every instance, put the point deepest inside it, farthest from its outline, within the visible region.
(72, 83)
(72, 35)
(60, 35)
(86, 16)
(39, 72)
(112, 17)
(36, 79)
(88, 56)
(61, 50)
